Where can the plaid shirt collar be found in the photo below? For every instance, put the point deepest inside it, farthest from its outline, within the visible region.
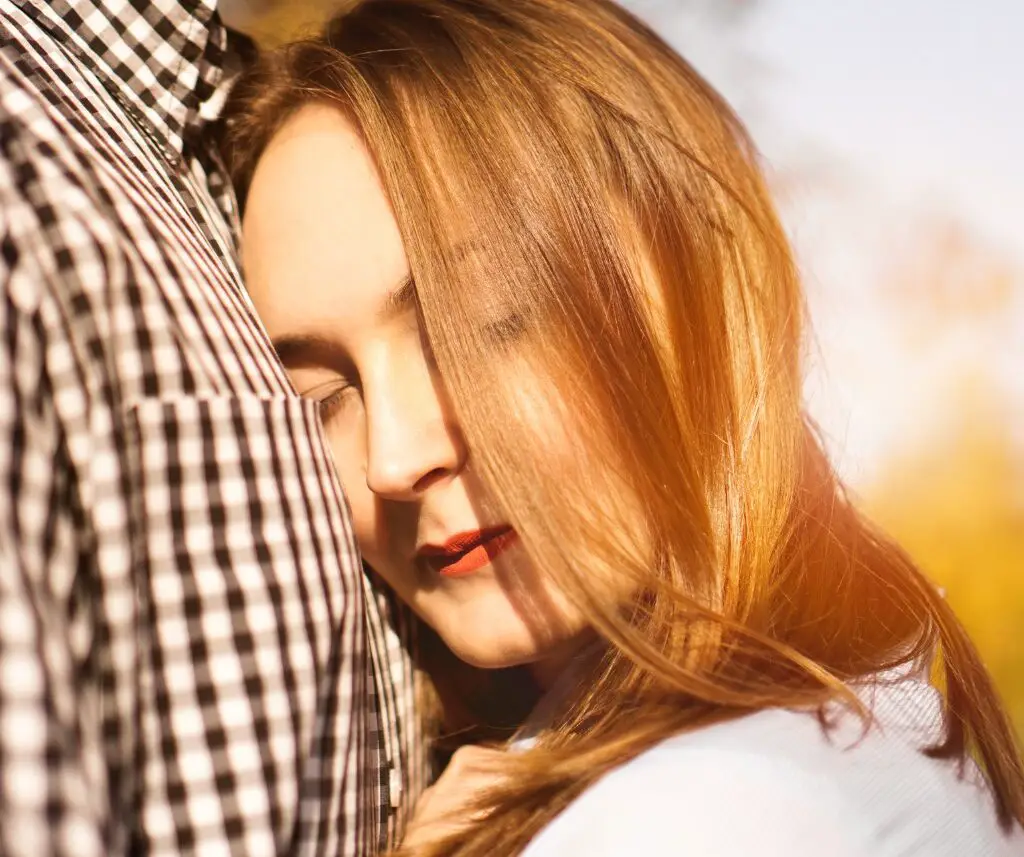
(164, 60)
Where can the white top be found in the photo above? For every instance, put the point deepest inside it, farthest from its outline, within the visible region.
(775, 784)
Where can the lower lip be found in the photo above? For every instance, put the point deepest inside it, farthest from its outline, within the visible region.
(475, 558)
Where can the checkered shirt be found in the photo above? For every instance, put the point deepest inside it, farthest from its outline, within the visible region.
(191, 658)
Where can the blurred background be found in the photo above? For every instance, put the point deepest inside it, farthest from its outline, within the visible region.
(892, 131)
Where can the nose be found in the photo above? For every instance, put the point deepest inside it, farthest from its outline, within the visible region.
(413, 441)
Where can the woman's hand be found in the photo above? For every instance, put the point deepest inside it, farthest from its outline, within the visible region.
(444, 808)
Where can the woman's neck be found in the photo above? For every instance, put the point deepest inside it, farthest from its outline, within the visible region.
(567, 659)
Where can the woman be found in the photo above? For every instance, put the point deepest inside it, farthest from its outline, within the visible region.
(522, 257)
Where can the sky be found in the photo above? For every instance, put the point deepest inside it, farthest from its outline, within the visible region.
(880, 115)
(926, 96)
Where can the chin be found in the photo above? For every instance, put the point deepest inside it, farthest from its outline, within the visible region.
(493, 653)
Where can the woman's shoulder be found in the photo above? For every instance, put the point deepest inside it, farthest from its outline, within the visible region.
(686, 796)
(778, 783)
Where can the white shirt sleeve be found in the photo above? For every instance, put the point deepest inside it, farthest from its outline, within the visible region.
(707, 802)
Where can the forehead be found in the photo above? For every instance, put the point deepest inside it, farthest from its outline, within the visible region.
(319, 238)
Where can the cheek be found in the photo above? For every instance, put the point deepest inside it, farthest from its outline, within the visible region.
(365, 522)
(348, 449)
(373, 532)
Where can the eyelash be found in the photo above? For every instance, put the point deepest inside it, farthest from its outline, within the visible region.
(507, 329)
(330, 405)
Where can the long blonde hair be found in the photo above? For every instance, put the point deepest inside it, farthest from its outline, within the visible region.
(577, 202)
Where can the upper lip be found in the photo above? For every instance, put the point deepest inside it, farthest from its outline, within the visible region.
(462, 542)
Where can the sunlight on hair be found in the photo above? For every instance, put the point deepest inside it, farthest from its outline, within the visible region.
(626, 254)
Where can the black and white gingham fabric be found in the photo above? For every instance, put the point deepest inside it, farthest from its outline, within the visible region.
(190, 657)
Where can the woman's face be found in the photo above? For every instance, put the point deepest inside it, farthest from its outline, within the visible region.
(329, 277)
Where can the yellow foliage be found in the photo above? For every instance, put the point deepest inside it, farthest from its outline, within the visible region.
(295, 19)
(958, 508)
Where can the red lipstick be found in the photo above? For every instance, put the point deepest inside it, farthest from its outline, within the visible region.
(467, 552)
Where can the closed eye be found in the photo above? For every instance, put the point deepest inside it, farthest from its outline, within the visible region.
(506, 329)
(330, 405)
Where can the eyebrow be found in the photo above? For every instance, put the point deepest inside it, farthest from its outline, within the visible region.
(305, 349)
(308, 349)
(403, 297)
(400, 300)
